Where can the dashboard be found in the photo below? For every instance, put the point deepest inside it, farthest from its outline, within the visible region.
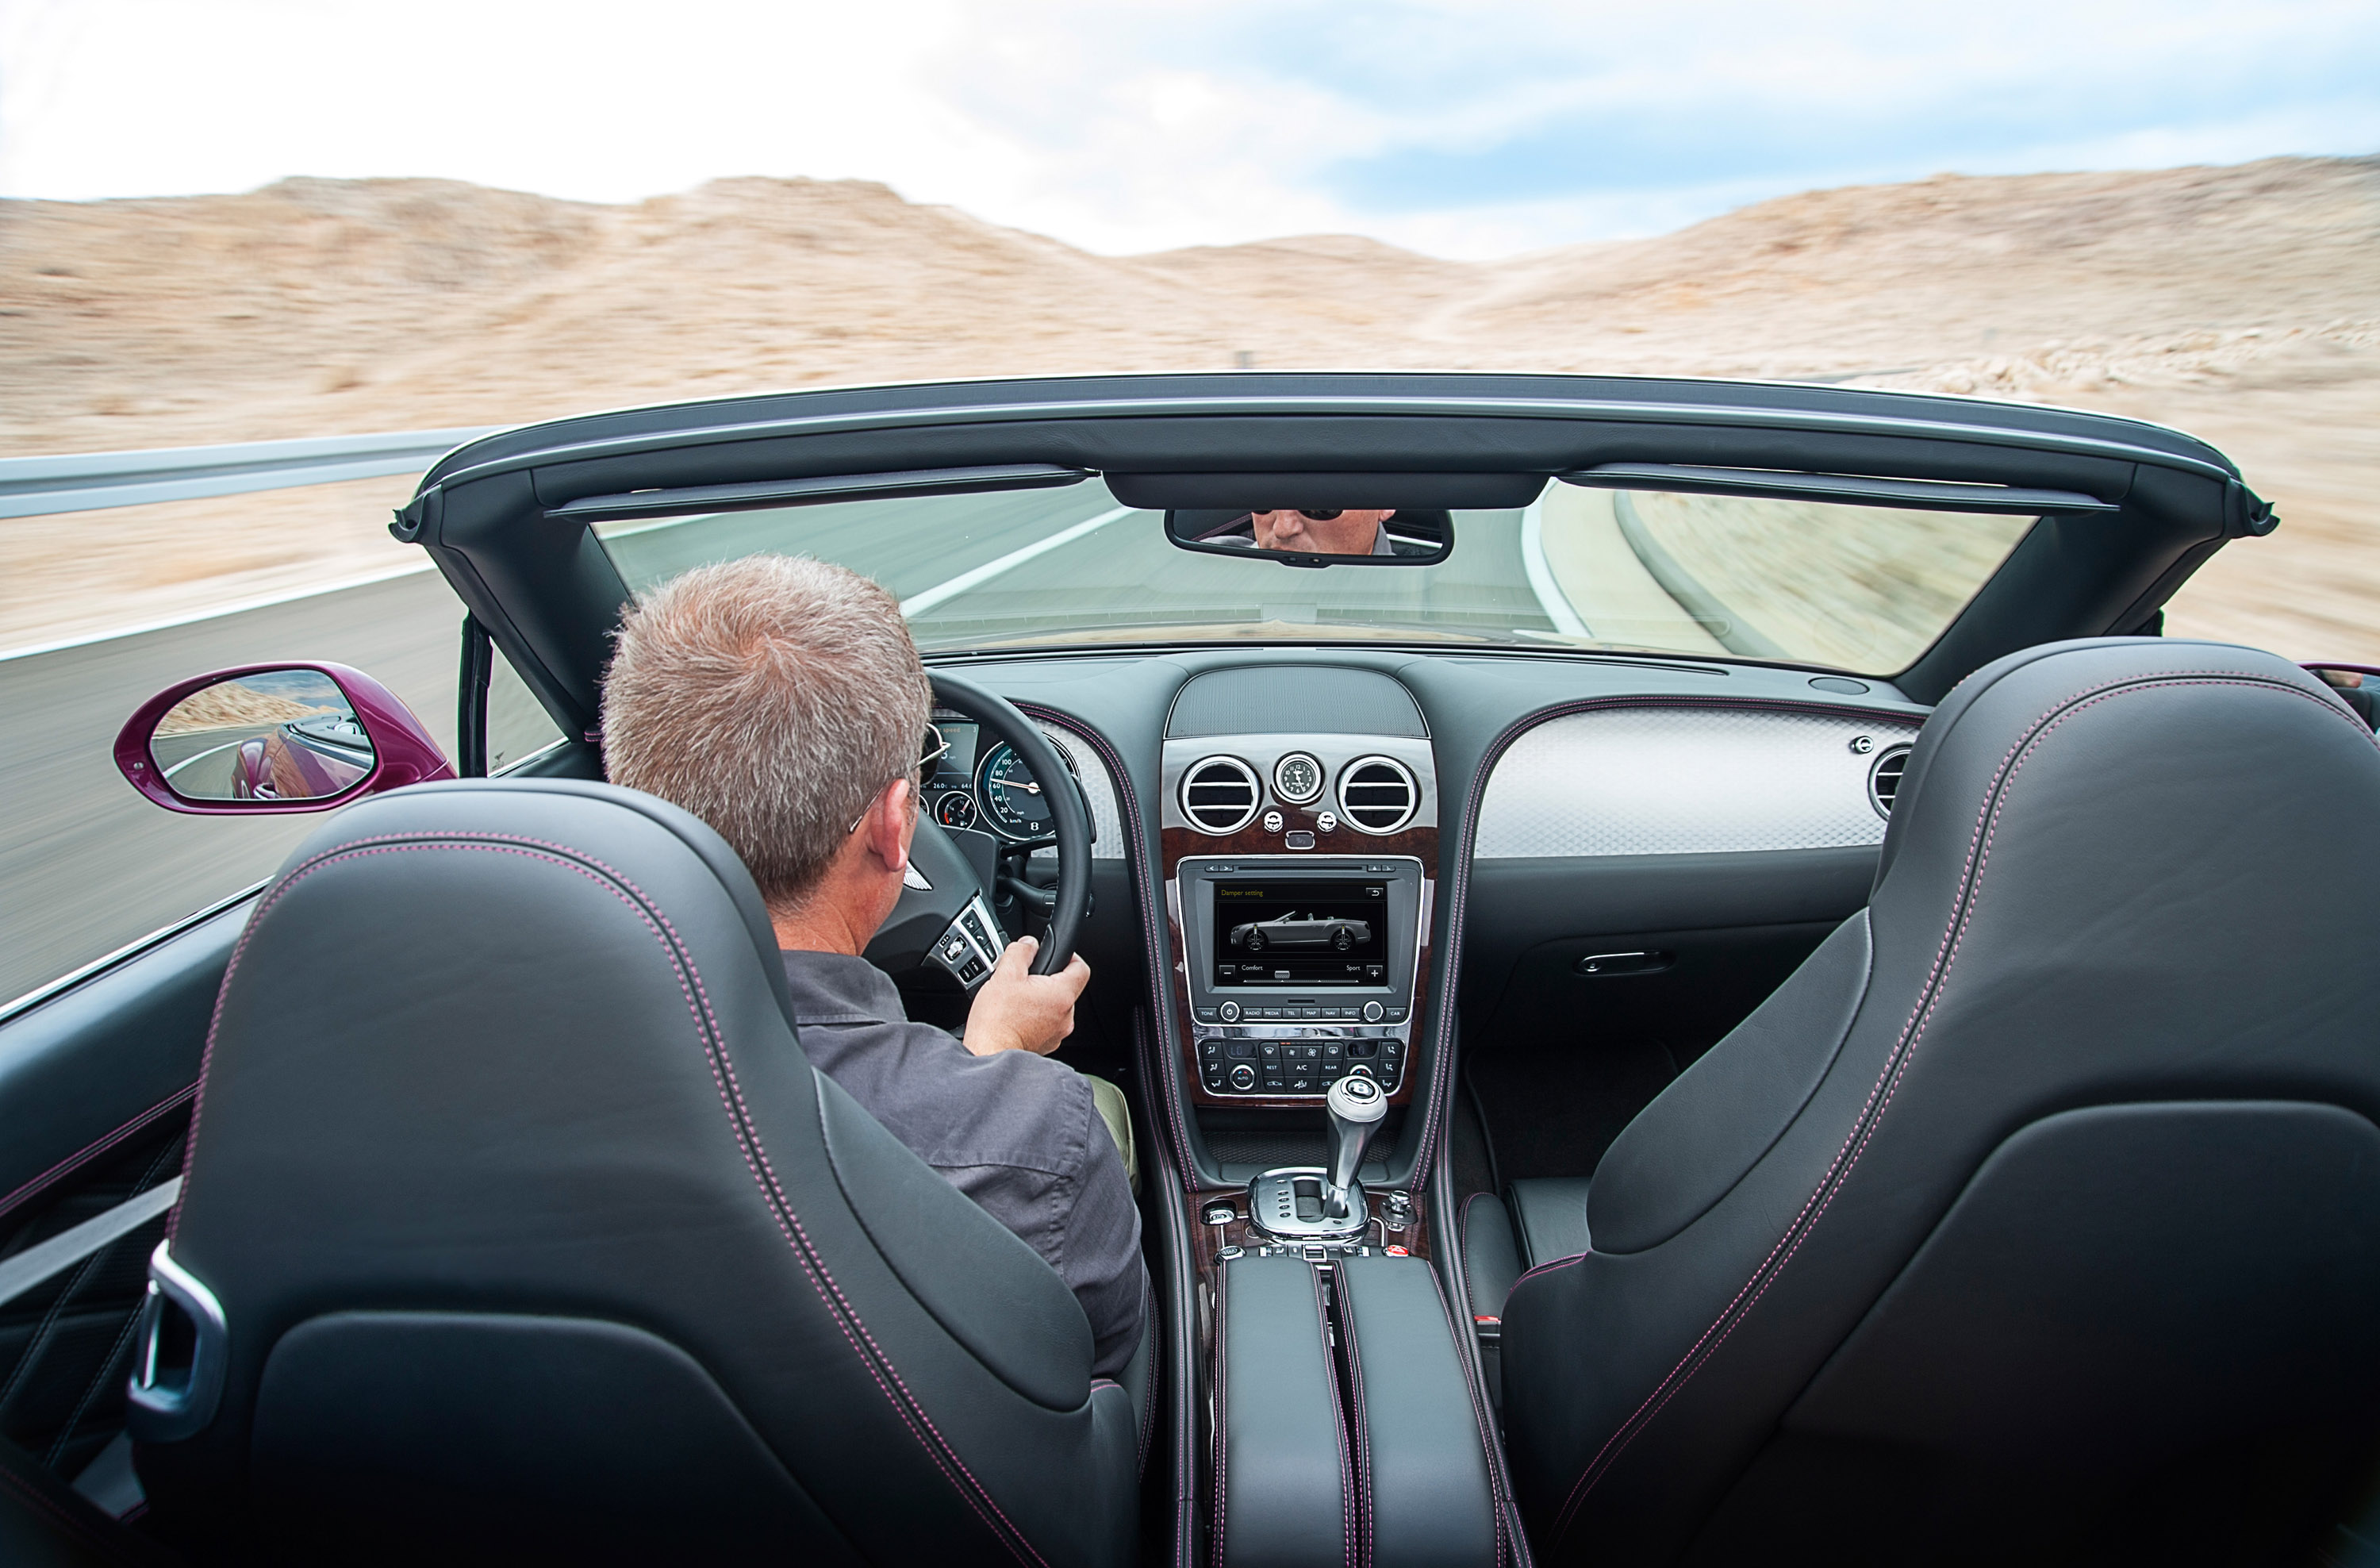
(1634, 846)
(988, 786)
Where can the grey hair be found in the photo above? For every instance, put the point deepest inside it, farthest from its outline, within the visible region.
(773, 697)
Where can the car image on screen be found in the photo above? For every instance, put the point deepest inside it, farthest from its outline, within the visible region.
(1294, 929)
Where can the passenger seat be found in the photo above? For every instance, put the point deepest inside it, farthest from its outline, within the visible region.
(1546, 1219)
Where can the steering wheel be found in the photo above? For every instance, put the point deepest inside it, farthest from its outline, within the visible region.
(947, 923)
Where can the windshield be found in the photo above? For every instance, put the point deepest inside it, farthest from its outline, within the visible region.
(1863, 588)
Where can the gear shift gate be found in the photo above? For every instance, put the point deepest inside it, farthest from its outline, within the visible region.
(1308, 1202)
(1291, 1204)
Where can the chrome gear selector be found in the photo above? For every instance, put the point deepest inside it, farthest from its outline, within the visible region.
(1357, 1105)
(1306, 1204)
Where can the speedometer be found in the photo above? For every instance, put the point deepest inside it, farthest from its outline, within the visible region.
(1011, 796)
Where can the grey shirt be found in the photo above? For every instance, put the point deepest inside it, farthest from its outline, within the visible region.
(1016, 1132)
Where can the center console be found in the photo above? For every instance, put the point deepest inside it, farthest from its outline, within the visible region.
(1300, 971)
(1299, 853)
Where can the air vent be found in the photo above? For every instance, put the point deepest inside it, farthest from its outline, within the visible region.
(1376, 794)
(1220, 794)
(1884, 778)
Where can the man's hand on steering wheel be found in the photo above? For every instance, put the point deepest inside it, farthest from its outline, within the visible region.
(1019, 1010)
(944, 915)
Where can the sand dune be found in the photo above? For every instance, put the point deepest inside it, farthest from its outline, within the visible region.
(2240, 303)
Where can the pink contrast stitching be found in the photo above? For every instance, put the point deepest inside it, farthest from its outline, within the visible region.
(1896, 1066)
(1223, 1422)
(1547, 1269)
(74, 1161)
(1359, 1420)
(1147, 1419)
(1499, 1494)
(813, 1266)
(1339, 1424)
(1153, 947)
(1458, 874)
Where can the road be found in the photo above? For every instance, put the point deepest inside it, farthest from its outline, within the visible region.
(89, 866)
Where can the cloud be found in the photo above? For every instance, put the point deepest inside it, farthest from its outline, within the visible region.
(1787, 111)
(1455, 128)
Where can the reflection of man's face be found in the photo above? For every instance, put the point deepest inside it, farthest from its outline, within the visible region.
(1320, 531)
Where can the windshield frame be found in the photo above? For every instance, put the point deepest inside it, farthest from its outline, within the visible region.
(853, 531)
(551, 599)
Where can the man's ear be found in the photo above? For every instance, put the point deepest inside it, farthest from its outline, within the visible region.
(888, 824)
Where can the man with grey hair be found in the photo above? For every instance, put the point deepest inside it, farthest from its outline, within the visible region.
(782, 701)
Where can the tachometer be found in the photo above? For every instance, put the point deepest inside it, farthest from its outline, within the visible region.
(1011, 796)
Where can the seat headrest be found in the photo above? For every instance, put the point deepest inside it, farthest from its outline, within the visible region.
(2083, 708)
(647, 841)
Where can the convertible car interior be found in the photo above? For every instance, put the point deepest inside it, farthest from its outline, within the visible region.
(1697, 979)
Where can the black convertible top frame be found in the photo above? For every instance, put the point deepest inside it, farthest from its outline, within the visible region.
(505, 518)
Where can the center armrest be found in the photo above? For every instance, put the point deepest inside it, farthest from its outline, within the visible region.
(1283, 1470)
(1346, 1429)
(1421, 1459)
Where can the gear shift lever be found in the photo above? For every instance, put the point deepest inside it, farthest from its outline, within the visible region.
(1356, 1106)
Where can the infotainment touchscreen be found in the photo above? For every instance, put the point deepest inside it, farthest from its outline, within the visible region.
(1302, 932)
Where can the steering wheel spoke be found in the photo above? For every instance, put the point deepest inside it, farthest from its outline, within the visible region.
(929, 927)
(970, 946)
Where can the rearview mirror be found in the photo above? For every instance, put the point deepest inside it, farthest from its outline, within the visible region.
(1318, 536)
(275, 738)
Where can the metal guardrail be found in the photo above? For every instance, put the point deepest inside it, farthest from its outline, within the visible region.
(34, 487)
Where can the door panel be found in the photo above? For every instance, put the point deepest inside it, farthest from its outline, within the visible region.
(96, 1086)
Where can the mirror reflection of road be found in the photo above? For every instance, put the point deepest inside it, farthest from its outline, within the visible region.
(88, 865)
(204, 763)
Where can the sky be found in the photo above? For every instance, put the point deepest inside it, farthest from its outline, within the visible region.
(1125, 125)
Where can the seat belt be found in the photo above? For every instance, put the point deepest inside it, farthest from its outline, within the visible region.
(63, 1251)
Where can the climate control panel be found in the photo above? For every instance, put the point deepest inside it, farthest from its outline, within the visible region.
(1300, 971)
(1231, 1061)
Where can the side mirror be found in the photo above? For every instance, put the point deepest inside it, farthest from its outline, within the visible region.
(275, 738)
(2357, 686)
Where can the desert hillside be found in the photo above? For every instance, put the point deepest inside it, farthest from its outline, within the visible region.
(2240, 303)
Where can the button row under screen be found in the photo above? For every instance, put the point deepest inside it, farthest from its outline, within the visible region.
(1260, 1050)
(1240, 1014)
(1301, 1078)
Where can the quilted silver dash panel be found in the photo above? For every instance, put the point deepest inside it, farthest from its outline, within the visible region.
(1107, 823)
(1685, 780)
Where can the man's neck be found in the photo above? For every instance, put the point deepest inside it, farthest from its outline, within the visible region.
(817, 927)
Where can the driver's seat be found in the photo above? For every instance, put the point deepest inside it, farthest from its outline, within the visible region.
(535, 1235)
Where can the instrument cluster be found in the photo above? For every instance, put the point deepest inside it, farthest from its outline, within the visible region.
(987, 786)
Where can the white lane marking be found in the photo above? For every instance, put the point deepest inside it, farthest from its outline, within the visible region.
(237, 607)
(202, 755)
(918, 604)
(1556, 604)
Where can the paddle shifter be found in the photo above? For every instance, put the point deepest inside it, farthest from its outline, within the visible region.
(1357, 1105)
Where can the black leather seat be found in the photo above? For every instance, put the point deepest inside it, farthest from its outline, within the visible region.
(537, 1237)
(2037, 1216)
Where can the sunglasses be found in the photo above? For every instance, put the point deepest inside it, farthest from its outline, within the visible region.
(1311, 514)
(938, 747)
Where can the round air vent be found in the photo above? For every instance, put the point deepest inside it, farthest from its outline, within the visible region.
(1376, 794)
(1220, 794)
(1884, 778)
